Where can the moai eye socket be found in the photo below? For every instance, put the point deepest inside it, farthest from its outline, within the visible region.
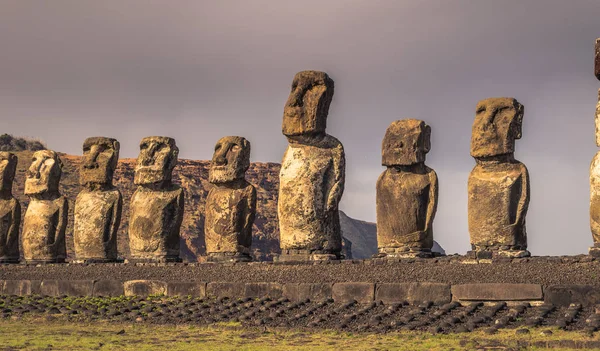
(480, 109)
(236, 148)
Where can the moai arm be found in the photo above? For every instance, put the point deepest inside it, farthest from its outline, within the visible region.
(116, 220)
(339, 170)
(179, 211)
(433, 200)
(13, 231)
(58, 236)
(250, 210)
(524, 199)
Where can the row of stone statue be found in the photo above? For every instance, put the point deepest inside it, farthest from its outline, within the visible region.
(311, 186)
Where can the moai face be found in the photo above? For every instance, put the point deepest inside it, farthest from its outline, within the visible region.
(157, 158)
(8, 168)
(406, 142)
(230, 160)
(44, 173)
(306, 109)
(100, 157)
(597, 62)
(497, 124)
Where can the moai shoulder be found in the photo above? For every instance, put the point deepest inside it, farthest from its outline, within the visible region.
(46, 217)
(156, 209)
(98, 206)
(407, 192)
(498, 184)
(10, 210)
(312, 173)
(231, 202)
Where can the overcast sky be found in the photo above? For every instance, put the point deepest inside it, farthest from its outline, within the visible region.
(199, 70)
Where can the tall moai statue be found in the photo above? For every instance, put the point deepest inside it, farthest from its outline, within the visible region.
(10, 210)
(407, 192)
(595, 171)
(156, 209)
(46, 217)
(231, 203)
(98, 206)
(311, 180)
(498, 184)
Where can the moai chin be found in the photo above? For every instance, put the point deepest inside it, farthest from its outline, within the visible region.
(231, 203)
(312, 174)
(46, 217)
(498, 184)
(407, 192)
(10, 210)
(595, 171)
(98, 206)
(156, 208)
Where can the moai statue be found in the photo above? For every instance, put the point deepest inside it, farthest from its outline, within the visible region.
(498, 184)
(10, 210)
(98, 206)
(231, 203)
(595, 172)
(156, 208)
(407, 192)
(46, 217)
(311, 180)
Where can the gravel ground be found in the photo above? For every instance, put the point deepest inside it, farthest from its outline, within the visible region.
(281, 313)
(453, 269)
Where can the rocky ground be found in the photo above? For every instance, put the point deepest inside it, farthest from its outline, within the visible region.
(374, 317)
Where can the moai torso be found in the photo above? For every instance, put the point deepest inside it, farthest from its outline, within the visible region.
(595, 198)
(307, 177)
(10, 219)
(44, 229)
(155, 221)
(403, 208)
(97, 218)
(496, 195)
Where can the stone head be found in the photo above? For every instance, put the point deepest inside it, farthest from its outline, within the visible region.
(306, 109)
(230, 160)
(8, 169)
(157, 158)
(406, 142)
(100, 157)
(43, 176)
(597, 61)
(498, 123)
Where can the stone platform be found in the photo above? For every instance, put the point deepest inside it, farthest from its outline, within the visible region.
(556, 280)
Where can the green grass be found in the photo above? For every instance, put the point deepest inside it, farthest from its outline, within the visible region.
(58, 334)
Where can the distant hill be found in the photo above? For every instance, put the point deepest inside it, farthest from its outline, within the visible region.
(360, 237)
(12, 143)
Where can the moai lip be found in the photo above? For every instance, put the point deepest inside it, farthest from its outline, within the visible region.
(10, 210)
(498, 184)
(231, 203)
(407, 192)
(312, 173)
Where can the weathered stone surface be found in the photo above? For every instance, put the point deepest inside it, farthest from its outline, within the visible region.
(108, 288)
(186, 289)
(144, 287)
(597, 61)
(76, 287)
(361, 292)
(49, 287)
(391, 293)
(10, 210)
(497, 292)
(98, 206)
(301, 291)
(20, 287)
(407, 191)
(564, 295)
(45, 220)
(272, 290)
(231, 203)
(226, 289)
(156, 209)
(498, 184)
(595, 189)
(312, 172)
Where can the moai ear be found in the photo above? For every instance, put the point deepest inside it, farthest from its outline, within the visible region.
(427, 139)
(518, 123)
(59, 161)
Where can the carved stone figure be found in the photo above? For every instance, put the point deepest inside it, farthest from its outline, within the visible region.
(46, 217)
(231, 203)
(312, 173)
(498, 184)
(595, 172)
(597, 62)
(156, 208)
(98, 206)
(407, 192)
(10, 210)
